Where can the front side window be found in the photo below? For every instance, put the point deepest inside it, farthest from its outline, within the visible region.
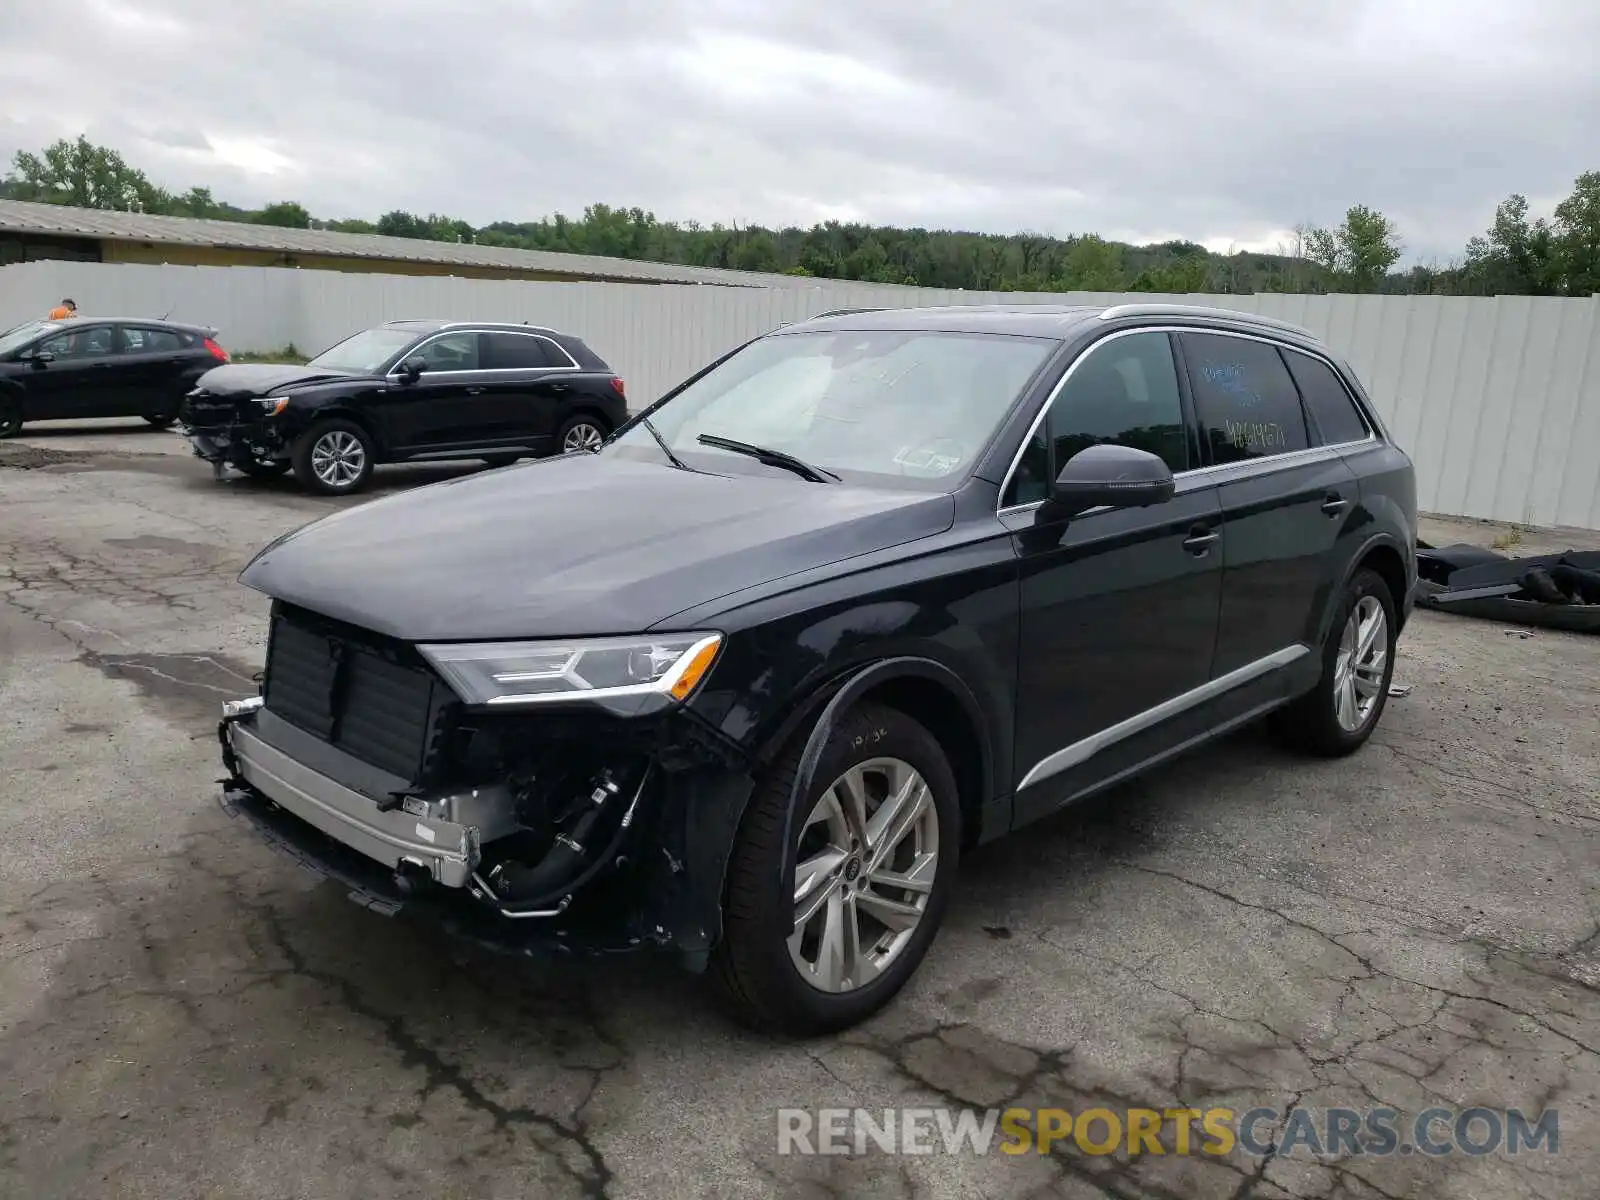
(365, 353)
(1244, 398)
(897, 408)
(452, 352)
(1123, 392)
(81, 343)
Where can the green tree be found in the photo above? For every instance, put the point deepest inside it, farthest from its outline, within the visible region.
(402, 224)
(1516, 256)
(1360, 251)
(84, 175)
(286, 215)
(1577, 234)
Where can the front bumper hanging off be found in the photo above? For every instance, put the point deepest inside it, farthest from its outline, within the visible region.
(412, 859)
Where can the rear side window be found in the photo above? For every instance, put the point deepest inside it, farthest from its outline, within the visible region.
(521, 351)
(1245, 400)
(150, 341)
(1124, 392)
(1334, 415)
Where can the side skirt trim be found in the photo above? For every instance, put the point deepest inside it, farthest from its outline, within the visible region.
(1081, 751)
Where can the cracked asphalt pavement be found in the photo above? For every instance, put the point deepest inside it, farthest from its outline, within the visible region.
(184, 1013)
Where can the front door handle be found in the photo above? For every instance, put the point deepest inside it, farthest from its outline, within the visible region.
(1200, 541)
(1334, 504)
(474, 391)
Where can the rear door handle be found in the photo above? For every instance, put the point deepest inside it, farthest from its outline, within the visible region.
(474, 391)
(1334, 504)
(1200, 541)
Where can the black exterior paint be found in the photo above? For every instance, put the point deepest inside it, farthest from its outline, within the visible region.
(438, 414)
(1010, 634)
(129, 381)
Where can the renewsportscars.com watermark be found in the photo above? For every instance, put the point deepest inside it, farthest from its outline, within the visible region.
(1258, 1132)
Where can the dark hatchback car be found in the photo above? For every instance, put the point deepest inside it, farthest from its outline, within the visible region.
(91, 367)
(870, 590)
(403, 392)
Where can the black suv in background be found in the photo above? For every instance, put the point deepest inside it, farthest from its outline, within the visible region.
(406, 391)
(864, 593)
(101, 367)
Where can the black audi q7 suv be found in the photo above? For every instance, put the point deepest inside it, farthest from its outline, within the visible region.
(403, 392)
(864, 593)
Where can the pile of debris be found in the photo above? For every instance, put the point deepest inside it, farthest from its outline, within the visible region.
(1555, 591)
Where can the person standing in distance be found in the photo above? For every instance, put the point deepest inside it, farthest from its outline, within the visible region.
(67, 308)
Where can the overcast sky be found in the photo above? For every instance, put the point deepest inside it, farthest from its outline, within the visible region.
(1222, 121)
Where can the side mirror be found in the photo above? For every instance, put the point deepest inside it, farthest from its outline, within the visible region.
(1108, 476)
(40, 357)
(411, 370)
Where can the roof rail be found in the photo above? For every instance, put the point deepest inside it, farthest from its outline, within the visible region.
(1117, 311)
(842, 312)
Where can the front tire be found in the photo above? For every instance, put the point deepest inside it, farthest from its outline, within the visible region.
(10, 418)
(265, 468)
(874, 847)
(334, 458)
(1337, 716)
(158, 421)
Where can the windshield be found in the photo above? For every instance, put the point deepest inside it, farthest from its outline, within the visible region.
(879, 407)
(365, 353)
(18, 337)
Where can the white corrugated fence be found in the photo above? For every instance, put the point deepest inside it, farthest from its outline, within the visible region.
(1497, 400)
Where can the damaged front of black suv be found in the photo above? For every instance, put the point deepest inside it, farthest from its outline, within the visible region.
(428, 781)
(455, 723)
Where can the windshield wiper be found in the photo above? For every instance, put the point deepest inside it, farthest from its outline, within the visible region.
(662, 442)
(772, 458)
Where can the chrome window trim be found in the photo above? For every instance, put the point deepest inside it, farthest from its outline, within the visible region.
(1247, 469)
(395, 372)
(1084, 749)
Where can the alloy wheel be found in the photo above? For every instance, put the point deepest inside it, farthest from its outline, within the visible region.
(338, 458)
(1359, 669)
(582, 438)
(865, 864)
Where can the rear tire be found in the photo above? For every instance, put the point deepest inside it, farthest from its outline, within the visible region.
(334, 458)
(1337, 716)
(10, 418)
(580, 434)
(772, 966)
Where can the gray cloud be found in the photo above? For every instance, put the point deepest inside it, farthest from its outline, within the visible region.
(1230, 120)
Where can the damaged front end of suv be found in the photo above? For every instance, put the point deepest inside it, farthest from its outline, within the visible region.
(460, 783)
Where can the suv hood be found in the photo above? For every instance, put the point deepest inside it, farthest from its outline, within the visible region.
(258, 379)
(578, 545)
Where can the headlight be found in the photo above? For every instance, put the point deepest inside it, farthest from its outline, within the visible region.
(273, 404)
(665, 668)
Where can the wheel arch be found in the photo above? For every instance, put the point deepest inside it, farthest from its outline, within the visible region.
(925, 690)
(591, 409)
(321, 415)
